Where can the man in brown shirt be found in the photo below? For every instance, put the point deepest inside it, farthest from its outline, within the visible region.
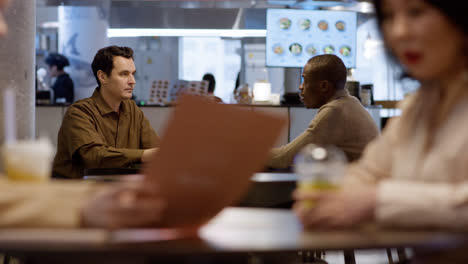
(108, 129)
(341, 119)
(73, 204)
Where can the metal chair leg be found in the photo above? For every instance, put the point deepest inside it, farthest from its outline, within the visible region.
(6, 259)
(389, 255)
(312, 257)
(349, 257)
(402, 258)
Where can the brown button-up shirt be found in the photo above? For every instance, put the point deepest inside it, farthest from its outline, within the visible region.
(92, 135)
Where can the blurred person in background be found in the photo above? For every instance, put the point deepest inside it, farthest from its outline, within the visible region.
(341, 119)
(416, 173)
(63, 85)
(59, 204)
(211, 87)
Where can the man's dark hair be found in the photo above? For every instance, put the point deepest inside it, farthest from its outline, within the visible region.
(211, 82)
(104, 59)
(55, 59)
(328, 67)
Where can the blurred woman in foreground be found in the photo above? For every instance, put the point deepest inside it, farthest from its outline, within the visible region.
(416, 173)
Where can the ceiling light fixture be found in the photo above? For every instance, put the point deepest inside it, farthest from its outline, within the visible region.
(166, 32)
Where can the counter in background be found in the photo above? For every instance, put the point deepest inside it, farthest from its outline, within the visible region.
(49, 119)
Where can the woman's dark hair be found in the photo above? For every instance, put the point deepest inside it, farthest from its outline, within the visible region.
(211, 82)
(451, 8)
(104, 59)
(55, 59)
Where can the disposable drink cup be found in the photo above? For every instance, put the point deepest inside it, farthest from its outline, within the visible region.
(319, 168)
(320, 177)
(28, 160)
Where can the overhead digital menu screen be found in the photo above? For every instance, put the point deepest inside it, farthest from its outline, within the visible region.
(294, 36)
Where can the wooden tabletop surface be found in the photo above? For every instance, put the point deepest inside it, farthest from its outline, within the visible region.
(234, 230)
(257, 177)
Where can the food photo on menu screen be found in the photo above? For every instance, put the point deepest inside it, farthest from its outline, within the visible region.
(294, 36)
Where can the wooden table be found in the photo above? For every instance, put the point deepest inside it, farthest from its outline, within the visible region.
(270, 190)
(234, 233)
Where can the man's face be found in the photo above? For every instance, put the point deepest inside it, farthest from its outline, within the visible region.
(3, 25)
(312, 94)
(121, 82)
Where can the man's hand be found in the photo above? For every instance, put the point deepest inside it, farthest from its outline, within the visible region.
(131, 204)
(148, 154)
(336, 209)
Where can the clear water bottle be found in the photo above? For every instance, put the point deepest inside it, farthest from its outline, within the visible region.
(319, 167)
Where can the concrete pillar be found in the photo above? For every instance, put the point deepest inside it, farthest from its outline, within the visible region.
(82, 32)
(17, 64)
